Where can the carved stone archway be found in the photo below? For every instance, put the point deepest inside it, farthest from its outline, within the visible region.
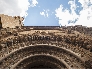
(21, 48)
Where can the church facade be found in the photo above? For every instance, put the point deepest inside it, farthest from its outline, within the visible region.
(43, 47)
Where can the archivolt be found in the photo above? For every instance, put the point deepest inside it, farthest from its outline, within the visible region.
(55, 51)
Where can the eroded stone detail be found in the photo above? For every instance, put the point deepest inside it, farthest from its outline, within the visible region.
(67, 44)
(9, 21)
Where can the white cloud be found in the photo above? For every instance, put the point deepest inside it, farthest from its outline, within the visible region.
(34, 2)
(15, 7)
(64, 16)
(84, 18)
(45, 13)
(42, 13)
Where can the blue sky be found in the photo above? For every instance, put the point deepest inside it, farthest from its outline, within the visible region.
(50, 12)
(34, 17)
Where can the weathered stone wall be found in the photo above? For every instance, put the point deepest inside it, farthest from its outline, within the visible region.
(11, 22)
(0, 23)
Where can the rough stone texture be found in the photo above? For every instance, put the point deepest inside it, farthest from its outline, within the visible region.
(11, 22)
(73, 49)
(44, 46)
(81, 29)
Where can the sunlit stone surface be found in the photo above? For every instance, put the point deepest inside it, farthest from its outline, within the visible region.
(33, 47)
